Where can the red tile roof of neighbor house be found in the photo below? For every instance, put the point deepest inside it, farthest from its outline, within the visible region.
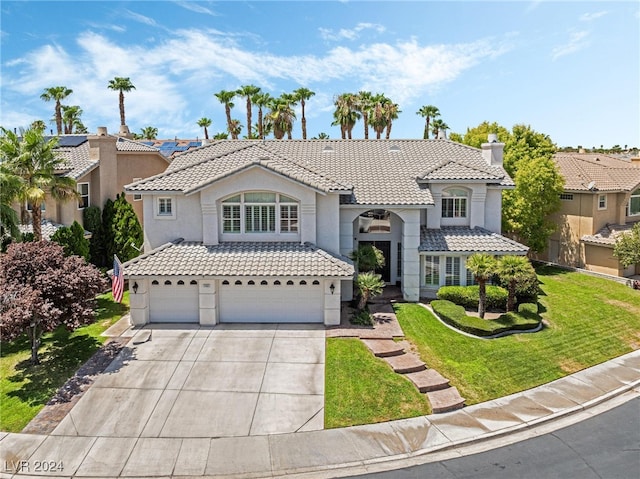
(597, 172)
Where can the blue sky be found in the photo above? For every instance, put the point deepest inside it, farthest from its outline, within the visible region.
(568, 69)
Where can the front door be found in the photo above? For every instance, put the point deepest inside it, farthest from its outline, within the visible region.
(385, 247)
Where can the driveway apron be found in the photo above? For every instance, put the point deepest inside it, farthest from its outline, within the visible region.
(223, 381)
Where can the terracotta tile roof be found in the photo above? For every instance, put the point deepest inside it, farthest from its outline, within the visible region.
(605, 172)
(462, 239)
(608, 234)
(76, 160)
(283, 259)
(125, 144)
(381, 172)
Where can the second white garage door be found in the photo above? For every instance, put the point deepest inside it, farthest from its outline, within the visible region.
(174, 301)
(271, 303)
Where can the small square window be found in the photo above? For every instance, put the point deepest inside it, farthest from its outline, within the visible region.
(165, 207)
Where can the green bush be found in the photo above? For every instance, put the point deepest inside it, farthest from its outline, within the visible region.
(454, 315)
(526, 289)
(468, 296)
(363, 318)
(72, 240)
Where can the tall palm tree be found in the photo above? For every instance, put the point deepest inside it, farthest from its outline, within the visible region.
(428, 112)
(39, 125)
(483, 266)
(346, 114)
(261, 100)
(225, 97)
(149, 132)
(438, 125)
(71, 118)
(378, 115)
(32, 158)
(57, 94)
(249, 92)
(235, 128)
(391, 111)
(364, 104)
(205, 123)
(291, 100)
(512, 269)
(302, 95)
(122, 85)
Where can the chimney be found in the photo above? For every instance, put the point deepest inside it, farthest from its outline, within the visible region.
(492, 151)
(102, 131)
(124, 131)
(102, 148)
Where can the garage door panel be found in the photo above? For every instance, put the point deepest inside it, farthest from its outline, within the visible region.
(174, 304)
(277, 304)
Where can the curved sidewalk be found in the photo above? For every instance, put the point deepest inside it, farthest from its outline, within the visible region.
(317, 451)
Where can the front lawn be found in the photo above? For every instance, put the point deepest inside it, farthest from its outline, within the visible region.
(362, 389)
(25, 389)
(589, 320)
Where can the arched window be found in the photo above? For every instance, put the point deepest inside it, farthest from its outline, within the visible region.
(251, 282)
(454, 203)
(193, 281)
(303, 283)
(167, 283)
(225, 282)
(375, 221)
(238, 282)
(276, 283)
(289, 283)
(316, 282)
(260, 212)
(155, 282)
(180, 283)
(264, 282)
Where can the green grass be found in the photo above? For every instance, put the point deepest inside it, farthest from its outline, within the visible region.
(589, 320)
(362, 389)
(25, 389)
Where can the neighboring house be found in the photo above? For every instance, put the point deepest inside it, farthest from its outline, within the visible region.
(101, 165)
(259, 231)
(171, 148)
(601, 200)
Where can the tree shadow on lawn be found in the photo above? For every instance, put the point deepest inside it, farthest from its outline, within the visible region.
(60, 356)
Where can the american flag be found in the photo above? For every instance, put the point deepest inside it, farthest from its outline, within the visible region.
(117, 280)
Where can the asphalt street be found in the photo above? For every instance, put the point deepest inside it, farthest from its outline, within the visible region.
(605, 446)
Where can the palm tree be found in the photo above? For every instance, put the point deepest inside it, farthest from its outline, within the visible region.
(57, 93)
(378, 115)
(235, 128)
(428, 112)
(303, 94)
(205, 123)
(512, 269)
(346, 114)
(483, 266)
(321, 136)
(391, 111)
(369, 285)
(291, 100)
(261, 100)
(364, 104)
(149, 132)
(71, 118)
(32, 158)
(281, 116)
(39, 125)
(225, 98)
(122, 85)
(249, 92)
(221, 136)
(439, 125)
(10, 186)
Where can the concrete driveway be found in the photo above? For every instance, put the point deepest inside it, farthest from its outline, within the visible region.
(191, 381)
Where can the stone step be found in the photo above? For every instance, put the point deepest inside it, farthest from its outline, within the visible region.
(428, 380)
(405, 363)
(383, 348)
(445, 400)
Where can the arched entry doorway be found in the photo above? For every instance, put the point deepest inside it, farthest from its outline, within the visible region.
(376, 227)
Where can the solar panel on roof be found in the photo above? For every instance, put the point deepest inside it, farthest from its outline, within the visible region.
(194, 143)
(181, 148)
(169, 144)
(148, 143)
(72, 140)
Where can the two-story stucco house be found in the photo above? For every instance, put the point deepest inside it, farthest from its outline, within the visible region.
(601, 200)
(101, 164)
(250, 230)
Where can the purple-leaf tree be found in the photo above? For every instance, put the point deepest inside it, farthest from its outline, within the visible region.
(41, 289)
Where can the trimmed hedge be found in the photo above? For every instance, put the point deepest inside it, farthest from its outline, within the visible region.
(468, 296)
(454, 315)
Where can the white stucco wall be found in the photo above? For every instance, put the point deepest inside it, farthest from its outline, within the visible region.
(328, 222)
(185, 223)
(493, 210)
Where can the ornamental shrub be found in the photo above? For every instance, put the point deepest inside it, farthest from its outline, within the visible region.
(468, 296)
(526, 289)
(72, 240)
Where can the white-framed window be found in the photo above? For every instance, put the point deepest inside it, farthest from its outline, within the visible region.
(137, 197)
(260, 212)
(602, 202)
(452, 271)
(566, 196)
(165, 207)
(471, 278)
(633, 207)
(43, 207)
(83, 191)
(432, 270)
(454, 203)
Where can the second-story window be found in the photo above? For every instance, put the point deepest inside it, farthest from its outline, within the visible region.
(83, 192)
(259, 212)
(602, 202)
(165, 207)
(454, 203)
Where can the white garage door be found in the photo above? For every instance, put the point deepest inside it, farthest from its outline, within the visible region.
(174, 301)
(271, 302)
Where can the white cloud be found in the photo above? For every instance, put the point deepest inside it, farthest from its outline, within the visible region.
(349, 34)
(588, 17)
(141, 18)
(577, 42)
(196, 7)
